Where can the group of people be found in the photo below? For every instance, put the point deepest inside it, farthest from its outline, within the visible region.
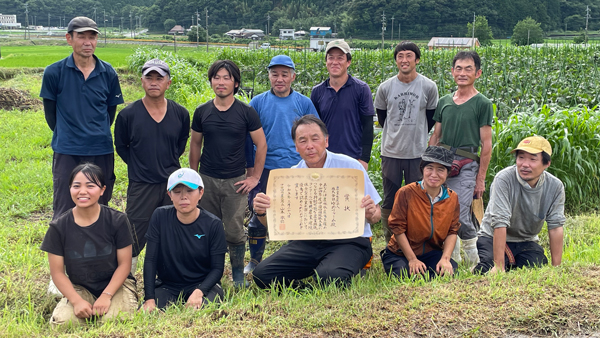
(189, 218)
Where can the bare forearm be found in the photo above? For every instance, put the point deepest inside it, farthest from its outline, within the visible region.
(556, 237)
(499, 245)
(484, 162)
(118, 278)
(64, 285)
(194, 157)
(259, 161)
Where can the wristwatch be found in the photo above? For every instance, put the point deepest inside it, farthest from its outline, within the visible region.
(259, 215)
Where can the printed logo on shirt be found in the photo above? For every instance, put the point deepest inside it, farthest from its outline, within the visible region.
(118, 95)
(199, 236)
(407, 108)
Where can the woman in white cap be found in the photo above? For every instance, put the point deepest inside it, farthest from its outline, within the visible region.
(185, 254)
(93, 243)
(424, 221)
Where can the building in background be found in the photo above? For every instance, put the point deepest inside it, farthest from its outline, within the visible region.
(9, 21)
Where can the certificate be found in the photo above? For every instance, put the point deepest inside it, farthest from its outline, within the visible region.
(315, 204)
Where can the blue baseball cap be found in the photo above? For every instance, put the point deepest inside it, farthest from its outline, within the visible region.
(282, 60)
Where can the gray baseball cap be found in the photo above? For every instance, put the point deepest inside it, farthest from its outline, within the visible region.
(156, 65)
(82, 24)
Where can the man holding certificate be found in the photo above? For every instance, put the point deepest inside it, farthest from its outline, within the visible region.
(333, 260)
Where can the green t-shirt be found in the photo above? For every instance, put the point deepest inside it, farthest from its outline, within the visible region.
(461, 123)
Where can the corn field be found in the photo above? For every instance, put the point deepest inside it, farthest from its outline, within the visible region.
(552, 91)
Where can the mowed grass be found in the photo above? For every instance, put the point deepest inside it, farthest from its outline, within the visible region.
(42, 56)
(546, 301)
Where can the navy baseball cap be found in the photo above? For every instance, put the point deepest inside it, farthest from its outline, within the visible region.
(282, 60)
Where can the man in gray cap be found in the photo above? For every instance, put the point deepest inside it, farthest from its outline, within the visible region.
(80, 94)
(277, 108)
(150, 136)
(345, 104)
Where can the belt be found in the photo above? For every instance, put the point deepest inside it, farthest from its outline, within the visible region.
(468, 152)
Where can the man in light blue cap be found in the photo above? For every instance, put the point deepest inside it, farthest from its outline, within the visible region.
(277, 108)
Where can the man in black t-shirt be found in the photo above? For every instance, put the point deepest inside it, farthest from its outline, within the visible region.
(222, 124)
(150, 136)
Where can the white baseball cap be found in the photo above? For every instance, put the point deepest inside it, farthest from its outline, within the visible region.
(185, 176)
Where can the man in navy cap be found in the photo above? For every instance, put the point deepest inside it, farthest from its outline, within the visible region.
(277, 108)
(81, 94)
(150, 136)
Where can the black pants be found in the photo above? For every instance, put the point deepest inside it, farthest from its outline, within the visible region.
(393, 172)
(63, 165)
(398, 265)
(526, 254)
(167, 295)
(332, 261)
(142, 200)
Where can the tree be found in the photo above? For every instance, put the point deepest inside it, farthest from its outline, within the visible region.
(192, 34)
(526, 32)
(169, 23)
(483, 32)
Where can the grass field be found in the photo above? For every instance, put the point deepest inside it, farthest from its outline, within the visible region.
(543, 302)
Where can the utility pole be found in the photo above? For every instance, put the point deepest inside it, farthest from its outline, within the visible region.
(473, 30)
(112, 22)
(399, 30)
(206, 9)
(392, 36)
(587, 17)
(121, 26)
(197, 28)
(268, 22)
(528, 31)
(130, 29)
(48, 21)
(27, 20)
(104, 27)
(95, 16)
(382, 30)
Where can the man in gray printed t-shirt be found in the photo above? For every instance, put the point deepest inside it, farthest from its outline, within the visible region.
(405, 106)
(522, 198)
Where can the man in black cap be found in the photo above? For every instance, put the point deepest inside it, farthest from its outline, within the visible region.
(150, 136)
(80, 94)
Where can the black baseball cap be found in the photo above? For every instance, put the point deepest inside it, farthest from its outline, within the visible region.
(156, 65)
(82, 24)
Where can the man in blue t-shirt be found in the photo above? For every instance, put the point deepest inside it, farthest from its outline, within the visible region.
(81, 94)
(277, 108)
(345, 104)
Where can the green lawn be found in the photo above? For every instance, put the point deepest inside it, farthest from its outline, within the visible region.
(41, 56)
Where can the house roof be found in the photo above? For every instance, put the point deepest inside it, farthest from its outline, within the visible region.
(320, 28)
(176, 29)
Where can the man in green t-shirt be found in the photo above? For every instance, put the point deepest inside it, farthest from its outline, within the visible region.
(463, 123)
